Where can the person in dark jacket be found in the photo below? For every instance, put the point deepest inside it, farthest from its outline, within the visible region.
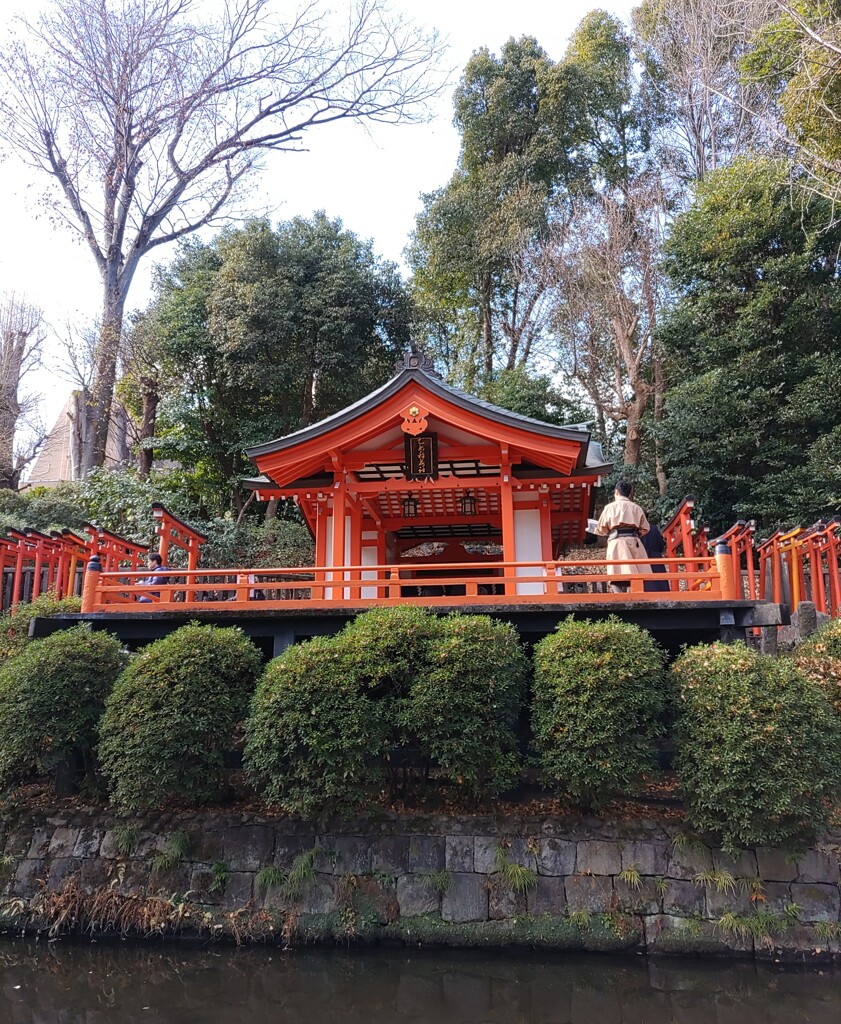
(655, 547)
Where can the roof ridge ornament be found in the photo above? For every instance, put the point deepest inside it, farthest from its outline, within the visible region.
(414, 358)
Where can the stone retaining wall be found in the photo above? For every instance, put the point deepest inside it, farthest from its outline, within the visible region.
(583, 883)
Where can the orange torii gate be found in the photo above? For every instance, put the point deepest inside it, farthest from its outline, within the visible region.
(174, 532)
(114, 551)
(74, 554)
(684, 539)
(821, 550)
(779, 568)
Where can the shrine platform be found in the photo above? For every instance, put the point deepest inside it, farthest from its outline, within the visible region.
(671, 622)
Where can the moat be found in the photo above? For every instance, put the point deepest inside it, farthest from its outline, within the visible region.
(123, 983)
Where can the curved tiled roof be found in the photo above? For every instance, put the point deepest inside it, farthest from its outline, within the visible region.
(446, 391)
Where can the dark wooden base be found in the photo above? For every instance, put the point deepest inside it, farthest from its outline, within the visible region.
(672, 623)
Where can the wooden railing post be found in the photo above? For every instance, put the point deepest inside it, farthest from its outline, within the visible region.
(91, 584)
(725, 571)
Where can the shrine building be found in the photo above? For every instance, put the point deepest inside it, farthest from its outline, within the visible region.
(419, 473)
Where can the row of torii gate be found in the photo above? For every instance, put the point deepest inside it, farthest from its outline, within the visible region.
(788, 568)
(33, 563)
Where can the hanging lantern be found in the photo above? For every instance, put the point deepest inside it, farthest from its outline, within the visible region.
(468, 504)
(410, 506)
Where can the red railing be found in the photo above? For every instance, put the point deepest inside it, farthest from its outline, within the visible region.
(362, 585)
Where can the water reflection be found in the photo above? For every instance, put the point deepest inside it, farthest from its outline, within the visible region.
(67, 984)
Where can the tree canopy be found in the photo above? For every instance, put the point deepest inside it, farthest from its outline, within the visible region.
(753, 407)
(264, 330)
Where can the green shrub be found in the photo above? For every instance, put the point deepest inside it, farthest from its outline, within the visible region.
(277, 543)
(387, 649)
(51, 697)
(14, 624)
(462, 712)
(819, 657)
(169, 721)
(315, 738)
(758, 746)
(598, 702)
(333, 717)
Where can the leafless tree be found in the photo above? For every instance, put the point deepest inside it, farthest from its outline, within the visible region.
(692, 50)
(810, 115)
(150, 120)
(607, 297)
(524, 325)
(21, 343)
(78, 367)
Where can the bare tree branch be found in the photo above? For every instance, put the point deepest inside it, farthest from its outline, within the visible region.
(150, 121)
(21, 343)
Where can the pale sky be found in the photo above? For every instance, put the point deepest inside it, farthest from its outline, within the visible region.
(371, 179)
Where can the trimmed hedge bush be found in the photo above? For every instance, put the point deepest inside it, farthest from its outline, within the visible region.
(819, 657)
(758, 747)
(333, 718)
(14, 625)
(597, 709)
(169, 721)
(462, 712)
(315, 738)
(52, 695)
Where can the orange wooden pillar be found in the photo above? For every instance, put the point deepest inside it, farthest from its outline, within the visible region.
(506, 505)
(355, 545)
(338, 538)
(320, 545)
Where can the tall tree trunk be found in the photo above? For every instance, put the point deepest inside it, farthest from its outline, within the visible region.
(659, 394)
(105, 376)
(633, 435)
(81, 433)
(9, 413)
(487, 327)
(151, 398)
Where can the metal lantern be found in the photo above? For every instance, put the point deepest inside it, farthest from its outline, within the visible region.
(468, 504)
(410, 506)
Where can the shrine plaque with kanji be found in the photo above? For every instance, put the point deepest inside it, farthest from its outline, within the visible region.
(421, 457)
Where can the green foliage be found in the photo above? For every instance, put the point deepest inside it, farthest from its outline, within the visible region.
(51, 697)
(581, 919)
(758, 748)
(828, 931)
(120, 501)
(437, 881)
(292, 883)
(172, 855)
(631, 877)
(270, 877)
(330, 716)
(532, 395)
(721, 880)
(598, 701)
(261, 331)
(315, 737)
(42, 508)
(169, 721)
(518, 118)
(819, 657)
(14, 624)
(276, 543)
(220, 876)
(752, 417)
(461, 712)
(125, 839)
(516, 877)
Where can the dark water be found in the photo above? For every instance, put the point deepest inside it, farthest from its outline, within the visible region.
(71, 984)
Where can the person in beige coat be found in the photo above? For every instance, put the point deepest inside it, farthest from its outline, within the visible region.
(623, 522)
